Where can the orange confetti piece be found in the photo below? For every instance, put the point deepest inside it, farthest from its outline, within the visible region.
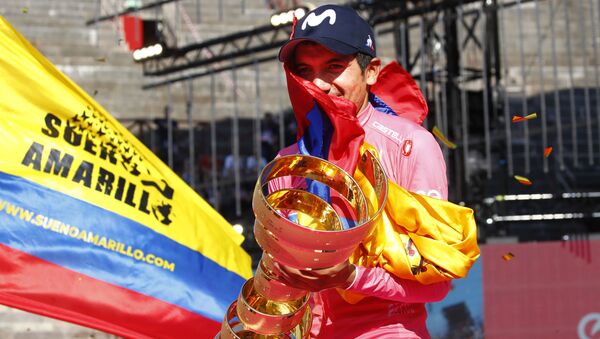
(436, 131)
(517, 118)
(523, 180)
(508, 256)
(547, 152)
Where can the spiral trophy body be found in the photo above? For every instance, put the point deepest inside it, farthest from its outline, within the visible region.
(266, 307)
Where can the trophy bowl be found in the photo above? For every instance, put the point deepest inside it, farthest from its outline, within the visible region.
(323, 241)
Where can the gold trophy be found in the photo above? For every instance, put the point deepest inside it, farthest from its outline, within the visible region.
(266, 307)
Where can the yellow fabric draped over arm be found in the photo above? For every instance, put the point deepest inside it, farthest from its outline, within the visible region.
(418, 237)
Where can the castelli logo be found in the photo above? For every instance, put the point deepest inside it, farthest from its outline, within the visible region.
(407, 147)
(589, 326)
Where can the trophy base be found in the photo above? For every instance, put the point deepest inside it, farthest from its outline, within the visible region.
(233, 328)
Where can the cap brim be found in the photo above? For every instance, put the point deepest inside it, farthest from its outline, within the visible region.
(287, 50)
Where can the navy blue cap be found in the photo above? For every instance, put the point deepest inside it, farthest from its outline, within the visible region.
(338, 28)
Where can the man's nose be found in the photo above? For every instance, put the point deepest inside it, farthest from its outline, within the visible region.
(323, 85)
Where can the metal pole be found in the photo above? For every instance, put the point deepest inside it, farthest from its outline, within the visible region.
(463, 102)
(571, 90)
(169, 129)
(541, 78)
(523, 86)
(198, 12)
(401, 39)
(507, 121)
(153, 146)
(404, 44)
(96, 15)
(444, 100)
(452, 50)
(138, 31)
(443, 106)
(220, 10)
(595, 44)
(497, 62)
(177, 20)
(236, 147)
(438, 114)
(557, 109)
(486, 93)
(213, 142)
(443, 79)
(437, 103)
(423, 84)
(116, 25)
(586, 92)
(192, 162)
(258, 130)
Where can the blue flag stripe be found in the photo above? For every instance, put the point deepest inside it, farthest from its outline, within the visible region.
(106, 246)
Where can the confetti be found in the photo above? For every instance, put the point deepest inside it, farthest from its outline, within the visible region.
(517, 118)
(508, 256)
(547, 152)
(442, 137)
(25, 10)
(101, 59)
(523, 180)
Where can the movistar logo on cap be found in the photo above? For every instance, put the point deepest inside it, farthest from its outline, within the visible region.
(314, 20)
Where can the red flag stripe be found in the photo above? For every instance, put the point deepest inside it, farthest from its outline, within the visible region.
(38, 286)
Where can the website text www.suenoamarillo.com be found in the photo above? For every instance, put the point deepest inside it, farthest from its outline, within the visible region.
(75, 232)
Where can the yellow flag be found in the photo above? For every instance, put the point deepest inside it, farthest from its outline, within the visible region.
(94, 228)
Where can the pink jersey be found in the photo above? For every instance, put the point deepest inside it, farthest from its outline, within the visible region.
(393, 308)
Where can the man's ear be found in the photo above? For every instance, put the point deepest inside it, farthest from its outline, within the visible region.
(372, 71)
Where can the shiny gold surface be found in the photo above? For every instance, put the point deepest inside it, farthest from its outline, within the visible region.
(267, 285)
(314, 168)
(313, 212)
(265, 316)
(261, 304)
(232, 328)
(373, 182)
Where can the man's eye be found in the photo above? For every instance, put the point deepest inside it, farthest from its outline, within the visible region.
(302, 71)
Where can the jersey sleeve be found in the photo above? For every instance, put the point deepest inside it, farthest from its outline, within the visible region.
(377, 282)
(426, 167)
(420, 168)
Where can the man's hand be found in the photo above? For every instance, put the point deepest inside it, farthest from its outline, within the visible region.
(340, 276)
